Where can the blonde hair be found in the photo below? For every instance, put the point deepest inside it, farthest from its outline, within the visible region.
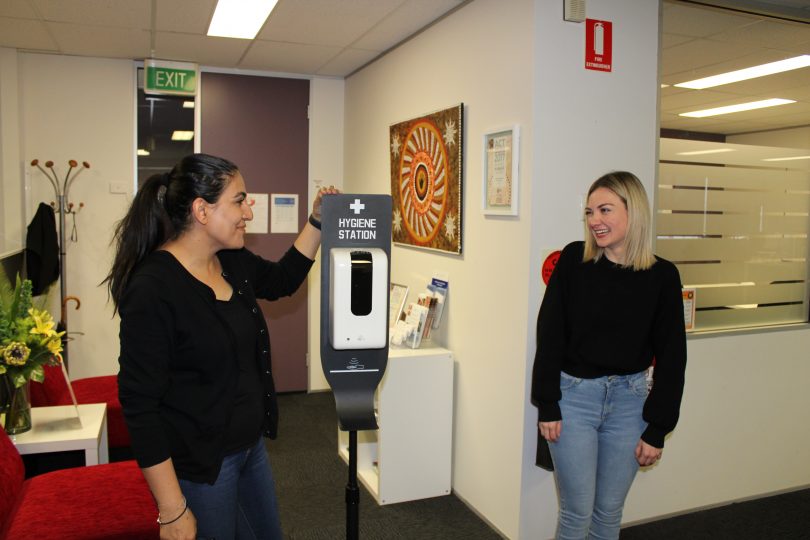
(637, 242)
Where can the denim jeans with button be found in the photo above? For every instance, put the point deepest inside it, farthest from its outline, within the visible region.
(241, 504)
(594, 458)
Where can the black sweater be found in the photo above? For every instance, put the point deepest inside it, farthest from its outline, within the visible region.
(178, 363)
(598, 319)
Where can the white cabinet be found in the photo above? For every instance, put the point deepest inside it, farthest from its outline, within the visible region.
(410, 456)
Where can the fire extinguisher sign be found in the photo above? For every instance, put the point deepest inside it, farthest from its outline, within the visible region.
(598, 45)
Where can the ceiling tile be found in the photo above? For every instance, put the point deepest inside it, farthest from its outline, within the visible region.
(186, 16)
(201, 49)
(85, 40)
(690, 20)
(772, 34)
(327, 22)
(17, 8)
(287, 57)
(700, 53)
(119, 13)
(25, 34)
(346, 62)
(403, 22)
(695, 100)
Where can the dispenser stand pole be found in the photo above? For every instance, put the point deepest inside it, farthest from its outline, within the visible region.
(352, 492)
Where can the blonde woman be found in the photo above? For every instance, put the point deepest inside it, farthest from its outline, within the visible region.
(611, 309)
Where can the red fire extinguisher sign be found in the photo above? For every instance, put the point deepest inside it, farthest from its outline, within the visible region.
(598, 45)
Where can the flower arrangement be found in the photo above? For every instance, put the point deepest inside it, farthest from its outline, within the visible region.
(28, 340)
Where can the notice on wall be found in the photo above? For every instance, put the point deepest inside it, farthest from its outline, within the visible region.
(257, 203)
(689, 308)
(284, 213)
(598, 45)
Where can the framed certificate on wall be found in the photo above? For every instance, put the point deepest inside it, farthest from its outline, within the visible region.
(500, 185)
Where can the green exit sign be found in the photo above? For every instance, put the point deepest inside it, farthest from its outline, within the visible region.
(175, 78)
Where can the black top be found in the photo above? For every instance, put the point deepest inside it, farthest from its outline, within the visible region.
(598, 319)
(179, 379)
(248, 410)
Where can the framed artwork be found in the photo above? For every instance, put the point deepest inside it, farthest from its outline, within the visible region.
(500, 185)
(426, 180)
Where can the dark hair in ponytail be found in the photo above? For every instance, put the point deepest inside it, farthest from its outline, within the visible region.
(161, 211)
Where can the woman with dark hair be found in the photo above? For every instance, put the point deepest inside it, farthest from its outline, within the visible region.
(611, 308)
(195, 381)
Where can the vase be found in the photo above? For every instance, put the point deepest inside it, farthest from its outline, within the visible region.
(18, 414)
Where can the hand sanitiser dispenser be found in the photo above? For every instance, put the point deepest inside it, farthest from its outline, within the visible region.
(355, 277)
(358, 303)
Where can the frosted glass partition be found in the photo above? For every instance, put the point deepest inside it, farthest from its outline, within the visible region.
(735, 223)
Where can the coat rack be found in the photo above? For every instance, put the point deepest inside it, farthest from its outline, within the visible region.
(63, 208)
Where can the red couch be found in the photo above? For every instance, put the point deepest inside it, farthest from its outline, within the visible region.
(100, 502)
(104, 389)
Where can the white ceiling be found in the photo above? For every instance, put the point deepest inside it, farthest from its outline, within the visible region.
(336, 37)
(699, 41)
(314, 37)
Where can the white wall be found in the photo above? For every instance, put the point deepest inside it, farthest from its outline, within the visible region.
(482, 56)
(12, 225)
(326, 167)
(82, 109)
(743, 428)
(587, 123)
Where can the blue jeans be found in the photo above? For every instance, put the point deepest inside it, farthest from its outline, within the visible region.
(241, 504)
(594, 458)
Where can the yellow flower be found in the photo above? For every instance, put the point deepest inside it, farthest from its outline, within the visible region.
(55, 347)
(43, 322)
(16, 353)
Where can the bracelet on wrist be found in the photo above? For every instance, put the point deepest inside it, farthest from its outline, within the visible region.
(315, 222)
(182, 512)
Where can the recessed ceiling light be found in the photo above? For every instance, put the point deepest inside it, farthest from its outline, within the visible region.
(748, 73)
(188, 104)
(240, 19)
(701, 152)
(142, 152)
(738, 108)
(182, 135)
(786, 158)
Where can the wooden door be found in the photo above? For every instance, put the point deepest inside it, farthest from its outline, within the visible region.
(261, 124)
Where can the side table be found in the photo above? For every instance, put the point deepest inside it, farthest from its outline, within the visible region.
(56, 429)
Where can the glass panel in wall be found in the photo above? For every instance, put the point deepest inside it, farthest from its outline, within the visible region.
(165, 131)
(736, 225)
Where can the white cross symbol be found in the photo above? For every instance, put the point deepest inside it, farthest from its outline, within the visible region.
(357, 206)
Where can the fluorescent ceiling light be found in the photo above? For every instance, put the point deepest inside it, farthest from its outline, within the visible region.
(748, 73)
(786, 158)
(182, 135)
(188, 104)
(701, 152)
(240, 18)
(738, 108)
(142, 152)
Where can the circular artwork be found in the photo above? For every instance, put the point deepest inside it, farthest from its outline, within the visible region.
(423, 182)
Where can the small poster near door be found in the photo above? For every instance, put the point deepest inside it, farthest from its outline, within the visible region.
(284, 214)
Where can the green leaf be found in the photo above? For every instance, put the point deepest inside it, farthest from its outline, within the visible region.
(38, 374)
(19, 379)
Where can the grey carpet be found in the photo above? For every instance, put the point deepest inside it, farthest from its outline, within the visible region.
(311, 481)
(311, 485)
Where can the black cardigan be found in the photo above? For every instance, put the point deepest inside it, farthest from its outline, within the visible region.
(598, 319)
(178, 369)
